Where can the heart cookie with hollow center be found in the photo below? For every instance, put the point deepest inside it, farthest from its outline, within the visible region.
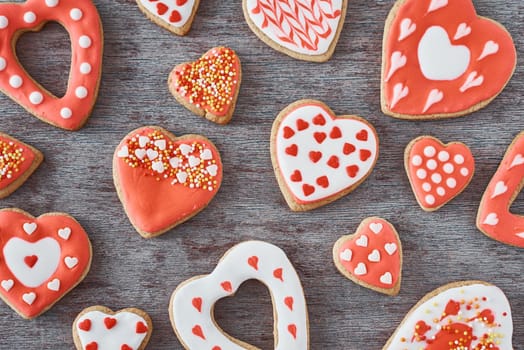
(318, 157)
(209, 87)
(192, 303)
(82, 21)
(99, 328)
(437, 172)
(163, 180)
(441, 60)
(304, 29)
(41, 259)
(174, 15)
(469, 315)
(372, 257)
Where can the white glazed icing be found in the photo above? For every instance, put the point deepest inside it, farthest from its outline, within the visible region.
(185, 10)
(235, 269)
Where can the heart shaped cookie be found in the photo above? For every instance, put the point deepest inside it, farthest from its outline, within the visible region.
(372, 257)
(304, 29)
(494, 217)
(441, 60)
(437, 172)
(318, 157)
(468, 315)
(99, 328)
(173, 15)
(192, 303)
(209, 86)
(17, 162)
(163, 180)
(83, 24)
(41, 259)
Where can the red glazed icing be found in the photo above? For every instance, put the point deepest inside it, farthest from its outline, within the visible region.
(407, 89)
(494, 217)
(16, 159)
(81, 20)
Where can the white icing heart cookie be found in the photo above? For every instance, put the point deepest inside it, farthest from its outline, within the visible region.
(317, 157)
(99, 328)
(192, 303)
(173, 15)
(469, 315)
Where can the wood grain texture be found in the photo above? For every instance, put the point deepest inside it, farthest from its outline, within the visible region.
(129, 271)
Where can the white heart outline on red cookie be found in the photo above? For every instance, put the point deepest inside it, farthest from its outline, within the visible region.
(449, 310)
(319, 157)
(192, 303)
(175, 16)
(84, 26)
(296, 28)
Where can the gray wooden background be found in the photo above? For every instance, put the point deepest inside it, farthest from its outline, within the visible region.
(127, 270)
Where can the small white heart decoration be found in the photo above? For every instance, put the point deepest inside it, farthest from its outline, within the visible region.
(64, 233)
(29, 298)
(500, 188)
(161, 144)
(362, 241)
(71, 262)
(492, 219)
(390, 248)
(518, 160)
(206, 154)
(29, 228)
(143, 141)
(140, 153)
(7, 285)
(376, 227)
(407, 27)
(386, 278)
(123, 152)
(360, 269)
(54, 285)
(151, 154)
(346, 255)
(374, 256)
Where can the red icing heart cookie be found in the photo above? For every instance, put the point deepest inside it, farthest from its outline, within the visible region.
(437, 172)
(173, 15)
(163, 180)
(441, 60)
(17, 162)
(98, 327)
(83, 23)
(41, 259)
(318, 157)
(372, 257)
(494, 217)
(209, 87)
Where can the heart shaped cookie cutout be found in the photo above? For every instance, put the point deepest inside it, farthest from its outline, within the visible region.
(372, 257)
(192, 304)
(17, 162)
(99, 328)
(84, 26)
(304, 29)
(209, 87)
(318, 157)
(494, 218)
(437, 172)
(163, 180)
(441, 60)
(469, 315)
(38, 265)
(173, 15)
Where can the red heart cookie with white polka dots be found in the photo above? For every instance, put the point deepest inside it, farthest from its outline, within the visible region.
(442, 60)
(81, 20)
(318, 157)
(99, 328)
(209, 86)
(163, 180)
(173, 15)
(437, 172)
(372, 257)
(17, 162)
(41, 259)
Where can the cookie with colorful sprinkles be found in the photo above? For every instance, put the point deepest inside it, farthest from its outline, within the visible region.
(209, 87)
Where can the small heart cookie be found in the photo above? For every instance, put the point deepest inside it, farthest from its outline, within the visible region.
(437, 172)
(163, 180)
(318, 157)
(41, 259)
(304, 29)
(99, 328)
(17, 162)
(468, 315)
(372, 257)
(174, 15)
(494, 218)
(209, 86)
(192, 303)
(441, 60)
(82, 21)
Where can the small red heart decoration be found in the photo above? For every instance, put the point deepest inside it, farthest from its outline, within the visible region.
(57, 264)
(197, 330)
(163, 180)
(109, 322)
(442, 60)
(197, 303)
(253, 262)
(141, 327)
(175, 16)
